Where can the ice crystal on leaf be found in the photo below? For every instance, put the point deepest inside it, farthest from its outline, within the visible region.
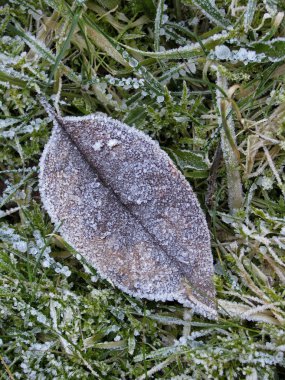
(128, 211)
(222, 52)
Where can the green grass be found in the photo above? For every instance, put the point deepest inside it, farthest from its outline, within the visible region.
(207, 82)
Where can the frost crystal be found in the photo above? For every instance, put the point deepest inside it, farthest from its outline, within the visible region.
(113, 142)
(222, 52)
(160, 99)
(133, 62)
(21, 246)
(128, 211)
(265, 182)
(97, 146)
(243, 55)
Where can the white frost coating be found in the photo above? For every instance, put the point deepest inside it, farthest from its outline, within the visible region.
(160, 99)
(182, 51)
(235, 195)
(47, 204)
(245, 312)
(38, 46)
(222, 52)
(20, 246)
(97, 146)
(113, 142)
(133, 62)
(120, 212)
(215, 15)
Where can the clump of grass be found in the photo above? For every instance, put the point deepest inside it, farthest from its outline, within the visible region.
(154, 65)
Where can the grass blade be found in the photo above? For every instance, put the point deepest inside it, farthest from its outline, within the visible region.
(249, 13)
(65, 45)
(157, 24)
(212, 12)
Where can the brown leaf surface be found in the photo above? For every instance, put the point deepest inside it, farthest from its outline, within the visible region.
(125, 207)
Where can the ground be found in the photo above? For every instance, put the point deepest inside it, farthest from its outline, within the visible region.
(206, 80)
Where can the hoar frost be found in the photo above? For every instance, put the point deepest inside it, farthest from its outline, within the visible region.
(113, 142)
(97, 146)
(222, 52)
(149, 241)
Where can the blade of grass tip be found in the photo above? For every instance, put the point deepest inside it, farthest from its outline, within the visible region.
(228, 143)
(103, 40)
(249, 13)
(188, 51)
(189, 34)
(49, 109)
(7, 369)
(60, 55)
(158, 367)
(16, 188)
(37, 279)
(177, 7)
(88, 43)
(32, 42)
(5, 77)
(157, 24)
(208, 8)
(227, 129)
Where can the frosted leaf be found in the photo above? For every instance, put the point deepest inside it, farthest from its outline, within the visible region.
(138, 221)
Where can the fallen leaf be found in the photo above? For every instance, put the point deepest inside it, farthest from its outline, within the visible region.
(125, 207)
